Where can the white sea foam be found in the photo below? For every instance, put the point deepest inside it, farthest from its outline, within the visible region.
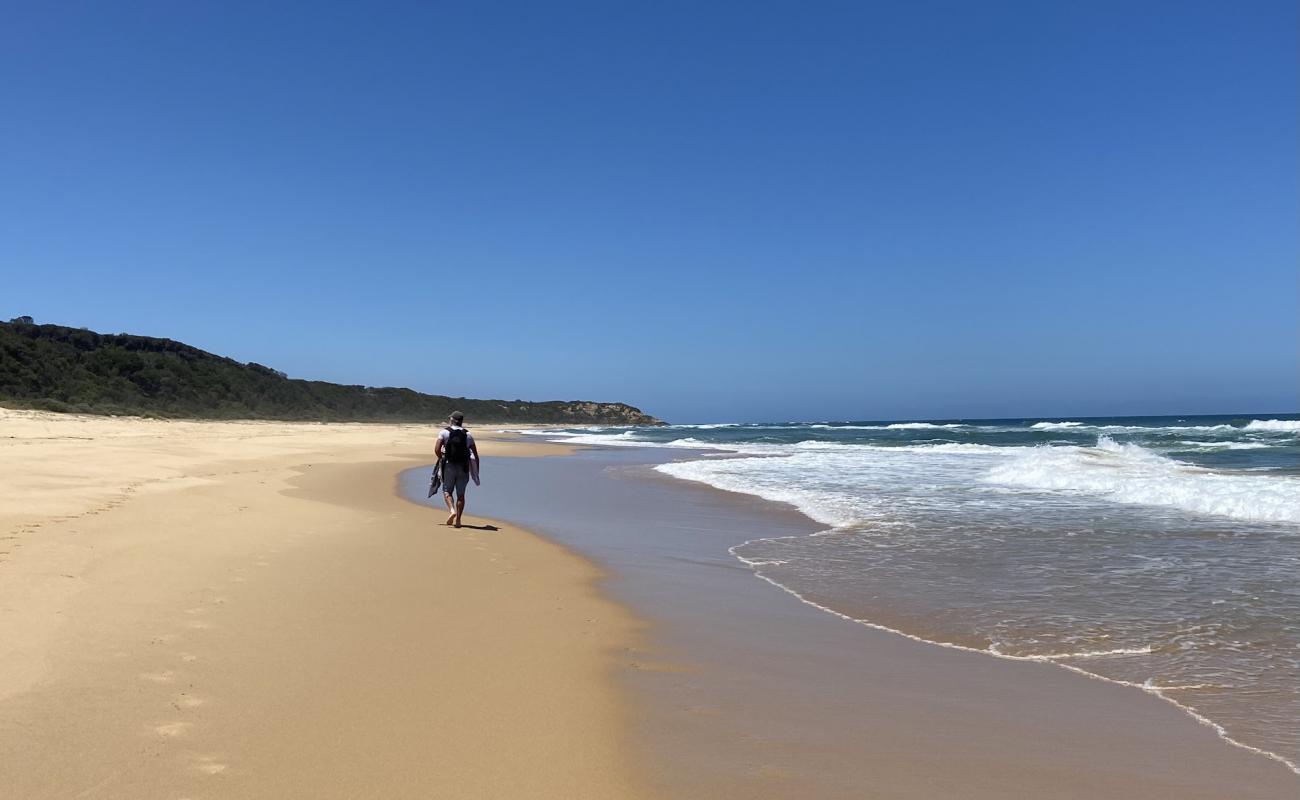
(848, 484)
(1119, 651)
(631, 439)
(1266, 425)
(829, 505)
(1128, 473)
(708, 426)
(893, 426)
(828, 426)
(1257, 425)
(1055, 426)
(1081, 427)
(553, 432)
(1286, 425)
(949, 447)
(841, 484)
(625, 437)
(921, 426)
(1225, 445)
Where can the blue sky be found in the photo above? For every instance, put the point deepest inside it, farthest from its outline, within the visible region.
(715, 211)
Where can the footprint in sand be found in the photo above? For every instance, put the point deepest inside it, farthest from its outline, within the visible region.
(171, 730)
(184, 700)
(187, 657)
(165, 676)
(209, 765)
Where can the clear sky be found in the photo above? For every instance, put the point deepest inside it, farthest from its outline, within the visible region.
(715, 211)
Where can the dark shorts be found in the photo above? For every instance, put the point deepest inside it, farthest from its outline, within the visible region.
(455, 477)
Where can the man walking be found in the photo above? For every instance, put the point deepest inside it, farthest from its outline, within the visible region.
(455, 449)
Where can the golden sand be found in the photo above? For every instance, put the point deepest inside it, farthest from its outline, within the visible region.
(247, 609)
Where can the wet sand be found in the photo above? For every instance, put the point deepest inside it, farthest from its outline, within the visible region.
(195, 609)
(769, 697)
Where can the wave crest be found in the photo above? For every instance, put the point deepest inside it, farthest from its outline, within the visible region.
(1129, 473)
(1287, 425)
(922, 426)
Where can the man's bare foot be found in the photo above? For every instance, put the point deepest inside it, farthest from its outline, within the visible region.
(457, 522)
(452, 521)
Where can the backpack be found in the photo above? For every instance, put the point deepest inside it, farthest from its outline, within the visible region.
(456, 450)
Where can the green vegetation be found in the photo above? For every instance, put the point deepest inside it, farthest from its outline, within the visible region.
(56, 368)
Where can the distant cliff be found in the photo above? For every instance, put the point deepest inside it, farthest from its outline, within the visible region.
(69, 369)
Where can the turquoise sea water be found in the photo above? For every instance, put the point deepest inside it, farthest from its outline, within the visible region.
(1161, 552)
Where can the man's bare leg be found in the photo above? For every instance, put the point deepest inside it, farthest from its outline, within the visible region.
(460, 509)
(451, 512)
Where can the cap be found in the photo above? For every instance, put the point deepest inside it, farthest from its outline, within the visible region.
(458, 416)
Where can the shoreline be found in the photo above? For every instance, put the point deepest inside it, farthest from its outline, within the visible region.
(817, 527)
(683, 503)
(1155, 691)
(225, 609)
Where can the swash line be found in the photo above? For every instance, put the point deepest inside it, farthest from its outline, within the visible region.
(1048, 659)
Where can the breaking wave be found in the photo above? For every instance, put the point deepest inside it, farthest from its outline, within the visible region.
(1287, 425)
(1129, 473)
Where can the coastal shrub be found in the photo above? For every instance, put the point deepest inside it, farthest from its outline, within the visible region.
(56, 368)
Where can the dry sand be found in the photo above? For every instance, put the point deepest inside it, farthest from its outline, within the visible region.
(240, 609)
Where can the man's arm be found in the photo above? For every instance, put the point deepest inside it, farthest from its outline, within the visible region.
(437, 449)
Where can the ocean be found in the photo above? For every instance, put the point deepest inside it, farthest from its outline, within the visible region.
(1157, 552)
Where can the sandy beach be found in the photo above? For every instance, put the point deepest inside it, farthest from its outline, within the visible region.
(231, 609)
(247, 609)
